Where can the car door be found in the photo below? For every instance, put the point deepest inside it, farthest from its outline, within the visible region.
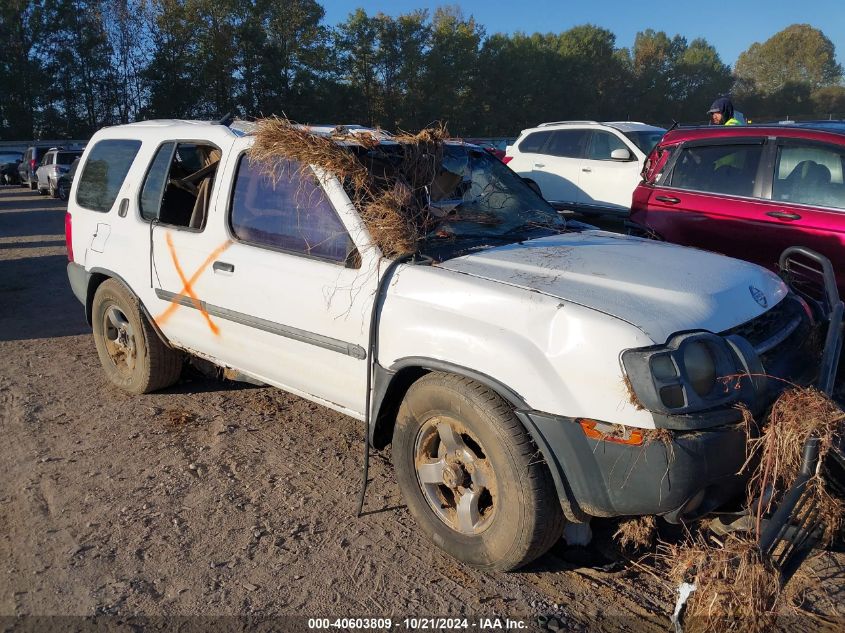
(287, 298)
(807, 206)
(557, 168)
(607, 183)
(41, 172)
(183, 242)
(712, 197)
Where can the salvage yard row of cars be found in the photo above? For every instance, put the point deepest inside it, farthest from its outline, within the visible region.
(49, 170)
(520, 363)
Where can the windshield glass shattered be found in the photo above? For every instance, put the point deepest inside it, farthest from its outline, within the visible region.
(474, 200)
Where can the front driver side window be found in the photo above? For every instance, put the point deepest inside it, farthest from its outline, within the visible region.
(290, 213)
(602, 145)
(727, 169)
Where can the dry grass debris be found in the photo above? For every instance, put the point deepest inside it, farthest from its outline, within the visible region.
(632, 395)
(797, 415)
(392, 201)
(637, 533)
(736, 588)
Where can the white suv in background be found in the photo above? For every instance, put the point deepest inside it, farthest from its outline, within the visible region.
(56, 162)
(585, 165)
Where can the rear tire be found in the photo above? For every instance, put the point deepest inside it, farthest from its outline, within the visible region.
(32, 185)
(63, 190)
(133, 356)
(469, 473)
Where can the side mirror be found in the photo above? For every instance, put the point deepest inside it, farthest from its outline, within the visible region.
(620, 154)
(533, 186)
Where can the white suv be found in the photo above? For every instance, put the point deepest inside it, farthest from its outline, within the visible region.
(56, 162)
(520, 365)
(585, 166)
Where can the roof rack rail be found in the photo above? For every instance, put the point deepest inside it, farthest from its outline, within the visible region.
(566, 123)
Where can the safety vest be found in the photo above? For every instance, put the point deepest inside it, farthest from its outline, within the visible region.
(737, 119)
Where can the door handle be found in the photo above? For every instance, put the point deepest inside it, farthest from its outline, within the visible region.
(123, 208)
(223, 267)
(783, 215)
(586, 169)
(668, 199)
(539, 164)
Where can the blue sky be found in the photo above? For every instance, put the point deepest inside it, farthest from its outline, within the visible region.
(730, 26)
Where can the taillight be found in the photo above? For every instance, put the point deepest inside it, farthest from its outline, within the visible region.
(32, 164)
(69, 237)
(507, 159)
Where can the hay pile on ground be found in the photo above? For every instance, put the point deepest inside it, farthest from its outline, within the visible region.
(797, 415)
(736, 589)
(393, 203)
(637, 533)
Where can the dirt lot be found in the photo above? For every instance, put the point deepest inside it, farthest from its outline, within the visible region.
(218, 499)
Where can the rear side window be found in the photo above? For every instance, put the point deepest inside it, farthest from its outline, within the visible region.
(567, 143)
(291, 214)
(105, 169)
(533, 143)
(177, 189)
(727, 169)
(66, 158)
(810, 174)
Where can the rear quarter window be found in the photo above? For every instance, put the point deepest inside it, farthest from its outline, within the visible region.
(104, 172)
(533, 143)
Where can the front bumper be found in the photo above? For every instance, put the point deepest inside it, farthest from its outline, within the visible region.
(680, 478)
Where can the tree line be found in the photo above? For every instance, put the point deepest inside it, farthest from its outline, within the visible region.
(69, 67)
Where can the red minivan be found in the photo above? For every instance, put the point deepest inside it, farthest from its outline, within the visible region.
(748, 192)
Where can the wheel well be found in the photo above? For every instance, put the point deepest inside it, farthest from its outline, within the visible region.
(93, 283)
(391, 386)
(388, 408)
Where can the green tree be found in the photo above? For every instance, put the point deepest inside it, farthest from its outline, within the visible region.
(799, 54)
(172, 76)
(22, 24)
(281, 49)
(700, 76)
(451, 69)
(76, 57)
(829, 101)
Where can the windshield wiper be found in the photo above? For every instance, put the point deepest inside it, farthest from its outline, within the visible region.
(530, 226)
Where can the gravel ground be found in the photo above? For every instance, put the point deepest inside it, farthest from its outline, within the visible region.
(213, 498)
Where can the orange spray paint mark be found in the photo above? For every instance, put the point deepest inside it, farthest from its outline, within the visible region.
(187, 287)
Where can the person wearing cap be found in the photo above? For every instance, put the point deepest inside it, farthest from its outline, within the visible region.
(722, 113)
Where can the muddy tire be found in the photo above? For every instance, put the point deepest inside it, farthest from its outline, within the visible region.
(133, 356)
(470, 474)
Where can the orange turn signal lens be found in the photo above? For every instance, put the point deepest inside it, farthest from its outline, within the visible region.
(616, 434)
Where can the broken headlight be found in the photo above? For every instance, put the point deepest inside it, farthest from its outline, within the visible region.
(693, 372)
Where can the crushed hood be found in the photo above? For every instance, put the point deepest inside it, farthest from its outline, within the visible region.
(659, 288)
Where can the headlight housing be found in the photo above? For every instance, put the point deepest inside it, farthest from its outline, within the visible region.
(694, 371)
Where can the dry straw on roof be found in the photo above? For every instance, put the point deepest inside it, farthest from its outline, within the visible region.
(392, 205)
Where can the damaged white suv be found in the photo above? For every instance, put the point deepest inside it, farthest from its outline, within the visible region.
(521, 367)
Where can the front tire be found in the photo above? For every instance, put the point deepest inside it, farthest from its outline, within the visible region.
(133, 356)
(469, 473)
